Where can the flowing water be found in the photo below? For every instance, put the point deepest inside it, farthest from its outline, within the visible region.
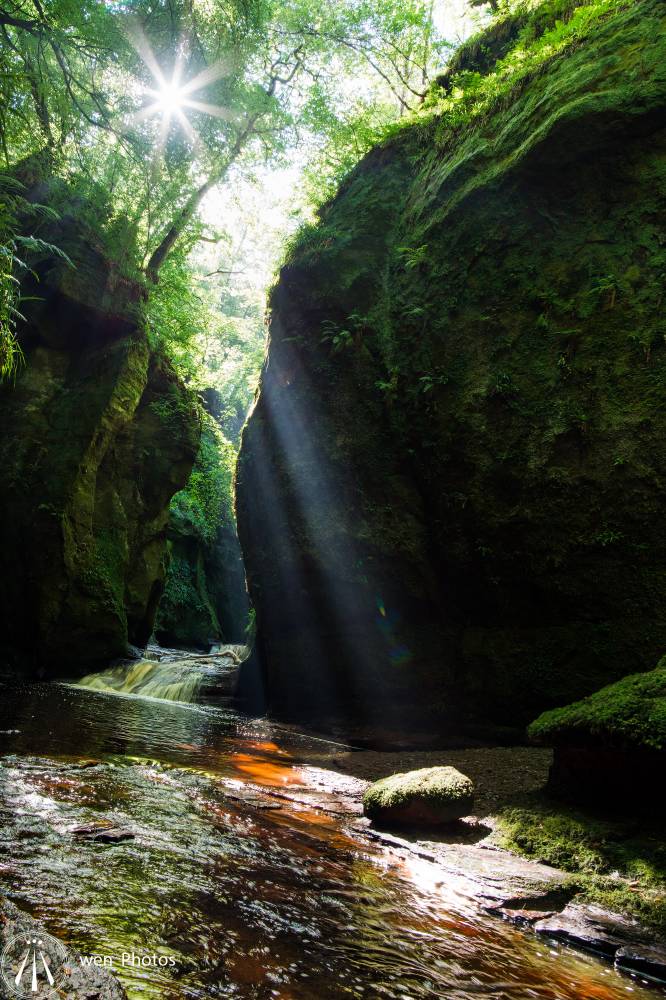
(171, 675)
(237, 891)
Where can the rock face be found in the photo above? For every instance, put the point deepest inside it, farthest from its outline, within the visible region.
(610, 748)
(98, 434)
(449, 491)
(205, 600)
(431, 796)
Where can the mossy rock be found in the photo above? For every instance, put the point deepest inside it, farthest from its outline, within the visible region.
(204, 598)
(430, 796)
(98, 434)
(455, 509)
(630, 715)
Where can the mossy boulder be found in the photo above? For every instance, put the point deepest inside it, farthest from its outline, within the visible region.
(627, 715)
(450, 490)
(610, 748)
(98, 434)
(430, 796)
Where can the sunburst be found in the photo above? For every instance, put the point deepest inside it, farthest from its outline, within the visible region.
(171, 98)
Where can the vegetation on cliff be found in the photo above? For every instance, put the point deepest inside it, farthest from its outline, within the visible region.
(615, 861)
(204, 596)
(472, 332)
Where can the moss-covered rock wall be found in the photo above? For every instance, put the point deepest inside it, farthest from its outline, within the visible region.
(205, 599)
(450, 490)
(98, 433)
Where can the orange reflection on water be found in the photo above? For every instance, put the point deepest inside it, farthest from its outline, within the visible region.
(266, 746)
(266, 772)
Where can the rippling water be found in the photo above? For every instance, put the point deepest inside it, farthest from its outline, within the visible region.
(253, 896)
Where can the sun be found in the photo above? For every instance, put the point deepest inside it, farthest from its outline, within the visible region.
(172, 99)
(169, 96)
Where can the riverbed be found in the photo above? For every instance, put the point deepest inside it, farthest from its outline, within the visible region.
(229, 888)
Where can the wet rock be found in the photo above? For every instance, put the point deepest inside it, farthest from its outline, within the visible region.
(102, 831)
(591, 928)
(429, 796)
(500, 883)
(644, 960)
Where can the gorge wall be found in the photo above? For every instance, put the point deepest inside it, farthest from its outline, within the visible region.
(205, 600)
(450, 491)
(98, 433)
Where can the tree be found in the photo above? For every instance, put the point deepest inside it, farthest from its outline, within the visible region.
(183, 92)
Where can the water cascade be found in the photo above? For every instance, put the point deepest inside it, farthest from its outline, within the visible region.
(172, 675)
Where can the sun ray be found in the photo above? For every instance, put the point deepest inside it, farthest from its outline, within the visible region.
(165, 125)
(142, 47)
(214, 110)
(222, 68)
(187, 128)
(143, 113)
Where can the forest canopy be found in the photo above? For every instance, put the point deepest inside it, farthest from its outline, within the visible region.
(164, 117)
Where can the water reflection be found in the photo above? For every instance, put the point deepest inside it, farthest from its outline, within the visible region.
(255, 897)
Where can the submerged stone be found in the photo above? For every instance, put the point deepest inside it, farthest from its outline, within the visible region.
(430, 796)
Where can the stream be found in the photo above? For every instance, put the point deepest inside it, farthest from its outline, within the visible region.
(223, 888)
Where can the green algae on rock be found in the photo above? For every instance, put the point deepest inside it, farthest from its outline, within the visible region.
(430, 796)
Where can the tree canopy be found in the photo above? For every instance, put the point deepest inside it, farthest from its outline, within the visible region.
(148, 106)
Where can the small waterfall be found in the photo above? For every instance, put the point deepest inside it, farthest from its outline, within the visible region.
(172, 674)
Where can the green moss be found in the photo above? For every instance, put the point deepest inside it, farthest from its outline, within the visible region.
(204, 583)
(207, 500)
(443, 789)
(478, 316)
(186, 614)
(630, 713)
(617, 864)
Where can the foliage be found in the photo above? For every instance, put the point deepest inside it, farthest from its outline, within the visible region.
(552, 28)
(316, 82)
(78, 79)
(12, 243)
(629, 713)
(207, 500)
